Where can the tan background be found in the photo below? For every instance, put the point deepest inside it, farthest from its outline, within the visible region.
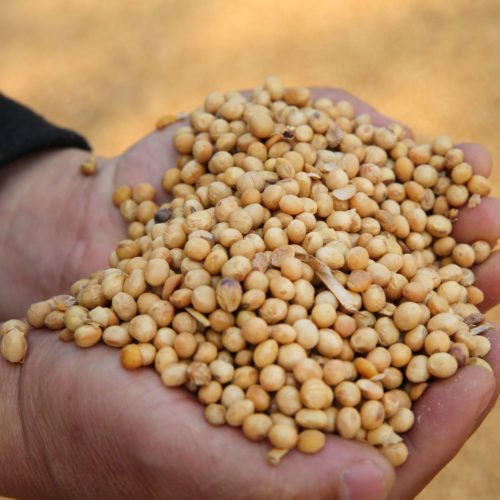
(109, 68)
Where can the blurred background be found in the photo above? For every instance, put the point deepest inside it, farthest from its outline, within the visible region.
(110, 68)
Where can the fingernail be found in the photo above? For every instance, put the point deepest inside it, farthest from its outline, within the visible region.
(361, 481)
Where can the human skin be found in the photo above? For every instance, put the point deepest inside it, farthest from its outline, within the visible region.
(74, 424)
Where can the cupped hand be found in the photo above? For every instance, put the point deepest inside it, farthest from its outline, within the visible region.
(95, 430)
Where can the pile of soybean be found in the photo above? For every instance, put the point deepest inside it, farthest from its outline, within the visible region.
(302, 280)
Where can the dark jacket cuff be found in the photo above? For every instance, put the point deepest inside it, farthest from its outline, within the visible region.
(22, 132)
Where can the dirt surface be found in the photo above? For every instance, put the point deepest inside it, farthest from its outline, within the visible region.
(109, 69)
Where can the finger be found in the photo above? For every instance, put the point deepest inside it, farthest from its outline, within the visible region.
(479, 223)
(478, 157)
(448, 413)
(487, 276)
(359, 105)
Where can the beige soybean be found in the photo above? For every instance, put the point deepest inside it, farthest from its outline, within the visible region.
(14, 346)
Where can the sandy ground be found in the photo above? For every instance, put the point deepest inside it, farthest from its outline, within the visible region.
(109, 69)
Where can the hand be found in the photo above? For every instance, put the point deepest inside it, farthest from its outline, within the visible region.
(94, 429)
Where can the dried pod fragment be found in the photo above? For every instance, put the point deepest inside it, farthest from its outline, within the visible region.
(474, 319)
(480, 329)
(388, 309)
(383, 435)
(324, 273)
(273, 140)
(474, 201)
(280, 254)
(275, 455)
(199, 373)
(261, 261)
(170, 285)
(198, 317)
(345, 193)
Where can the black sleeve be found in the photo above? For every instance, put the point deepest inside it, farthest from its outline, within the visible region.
(22, 131)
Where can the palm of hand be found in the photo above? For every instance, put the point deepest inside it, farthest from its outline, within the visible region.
(154, 442)
(61, 226)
